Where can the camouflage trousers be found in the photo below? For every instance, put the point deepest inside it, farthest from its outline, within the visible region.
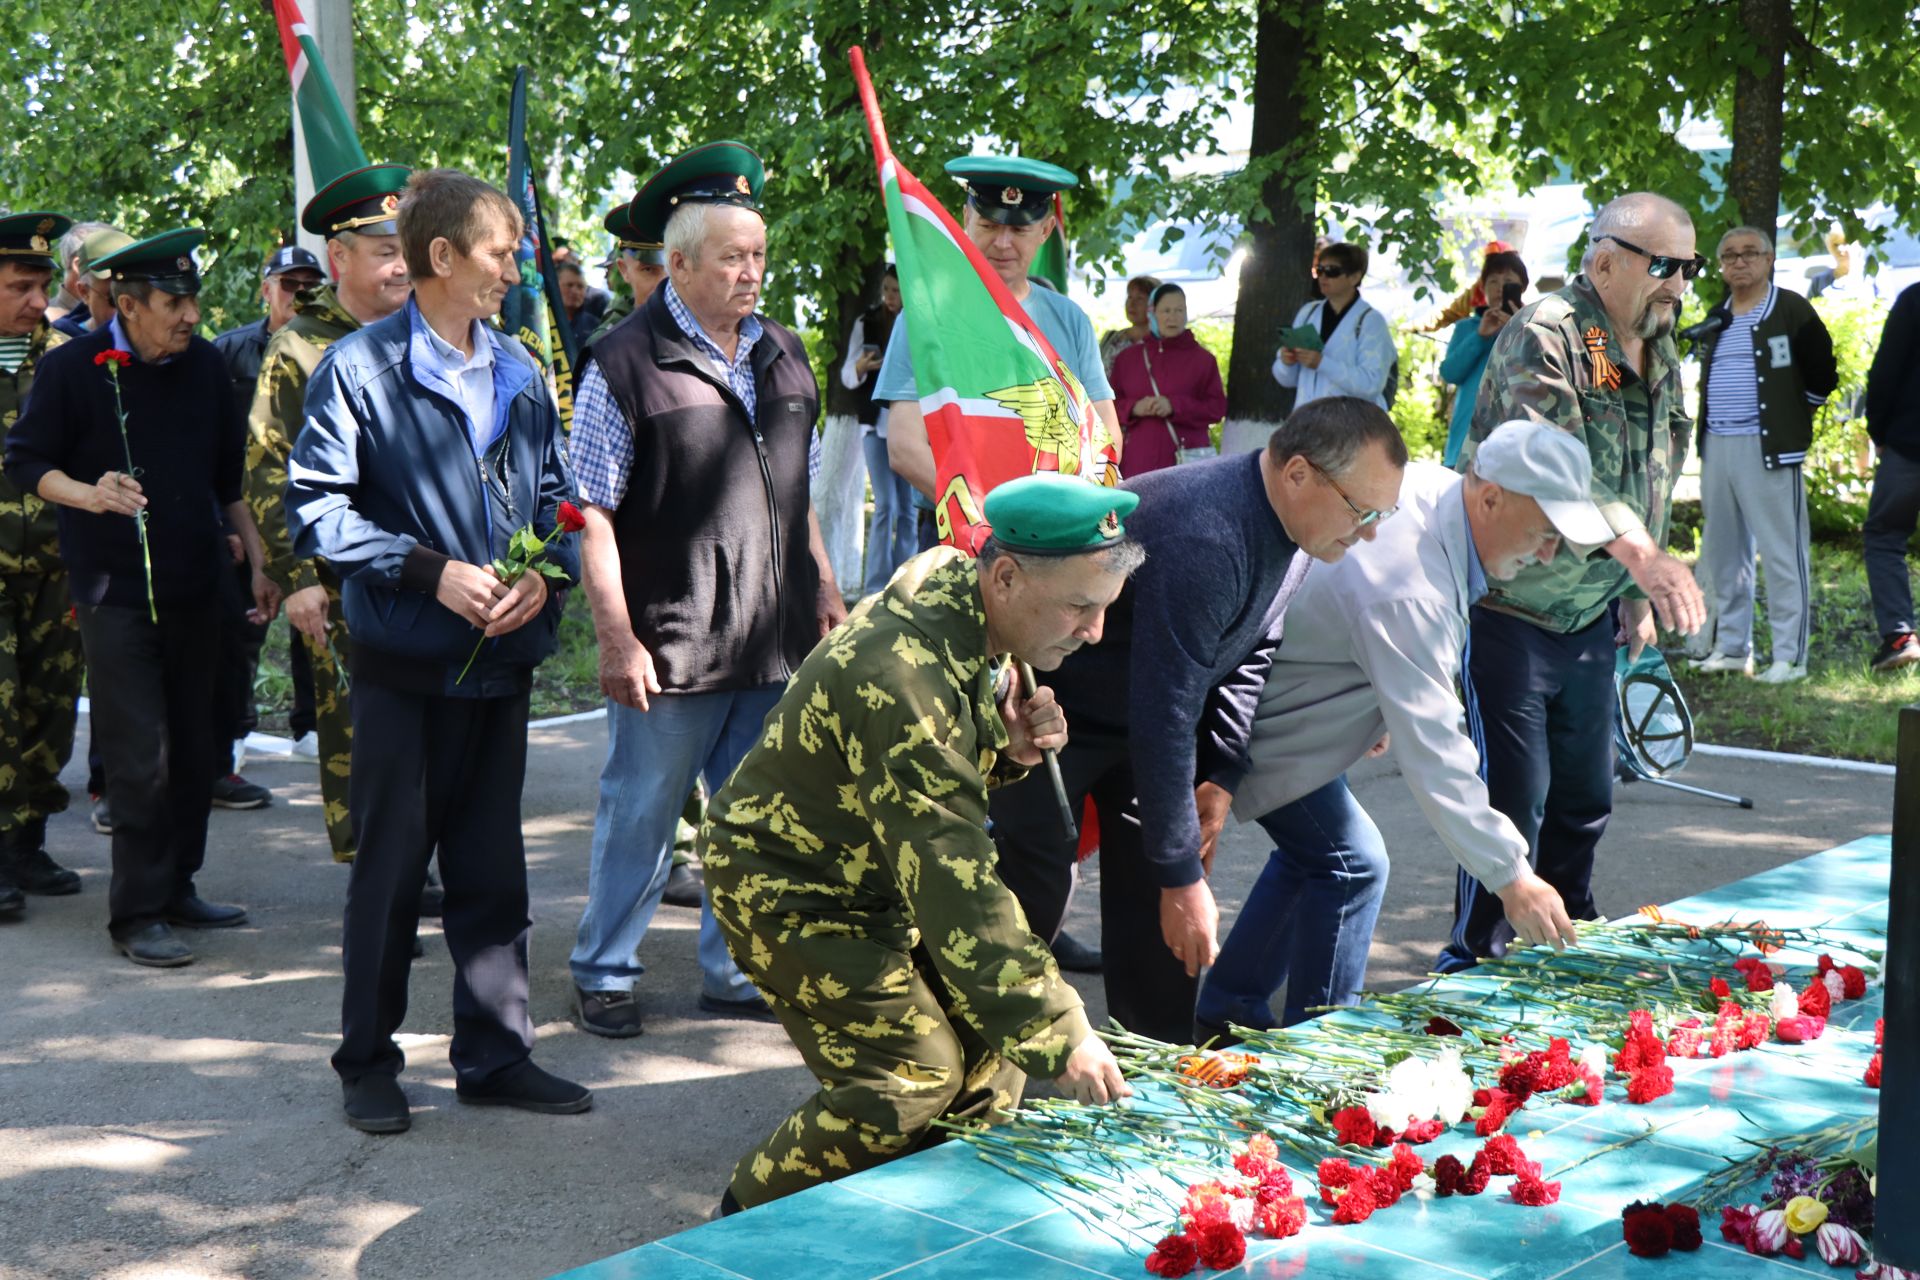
(874, 1026)
(333, 724)
(40, 673)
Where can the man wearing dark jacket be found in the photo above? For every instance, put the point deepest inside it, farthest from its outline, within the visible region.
(1764, 372)
(1893, 422)
(705, 568)
(430, 440)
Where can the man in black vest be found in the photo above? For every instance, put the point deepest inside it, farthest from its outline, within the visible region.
(704, 565)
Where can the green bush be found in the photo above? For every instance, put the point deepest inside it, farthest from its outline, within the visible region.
(1839, 466)
(1419, 409)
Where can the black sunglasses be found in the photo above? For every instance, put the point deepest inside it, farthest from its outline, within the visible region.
(1329, 272)
(1659, 265)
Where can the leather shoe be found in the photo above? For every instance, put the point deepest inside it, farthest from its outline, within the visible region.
(528, 1088)
(195, 912)
(749, 1007)
(1076, 956)
(12, 901)
(686, 887)
(613, 1014)
(375, 1104)
(154, 946)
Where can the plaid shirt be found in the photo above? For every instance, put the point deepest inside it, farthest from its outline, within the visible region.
(602, 439)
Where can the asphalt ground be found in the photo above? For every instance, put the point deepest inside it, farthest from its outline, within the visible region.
(185, 1123)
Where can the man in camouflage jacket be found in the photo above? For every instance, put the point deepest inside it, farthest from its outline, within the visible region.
(1595, 359)
(40, 660)
(848, 858)
(370, 284)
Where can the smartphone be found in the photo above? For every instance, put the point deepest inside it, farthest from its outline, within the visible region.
(1510, 297)
(870, 349)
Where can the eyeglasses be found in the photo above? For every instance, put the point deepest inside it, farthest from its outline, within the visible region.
(1361, 517)
(1743, 255)
(1661, 266)
(1329, 273)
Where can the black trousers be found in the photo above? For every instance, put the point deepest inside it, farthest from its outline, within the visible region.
(302, 720)
(1148, 990)
(427, 771)
(151, 687)
(236, 715)
(1542, 706)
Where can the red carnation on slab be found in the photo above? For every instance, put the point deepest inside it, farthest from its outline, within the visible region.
(1175, 1255)
(1816, 1001)
(1685, 1220)
(1503, 1153)
(1853, 981)
(1437, 1026)
(1528, 1189)
(1356, 1205)
(1649, 1083)
(1353, 1126)
(1648, 1230)
(1405, 1166)
(1449, 1176)
(1720, 988)
(1873, 1072)
(1279, 1219)
(1423, 1131)
(1221, 1246)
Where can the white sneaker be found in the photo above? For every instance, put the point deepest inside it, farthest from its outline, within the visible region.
(1716, 662)
(307, 745)
(1782, 672)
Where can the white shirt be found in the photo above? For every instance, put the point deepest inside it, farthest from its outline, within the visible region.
(471, 376)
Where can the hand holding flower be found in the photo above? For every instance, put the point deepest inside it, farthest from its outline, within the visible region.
(116, 493)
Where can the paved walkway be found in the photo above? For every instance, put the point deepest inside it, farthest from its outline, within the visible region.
(185, 1123)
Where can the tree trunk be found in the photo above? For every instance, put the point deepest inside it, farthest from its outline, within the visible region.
(1759, 109)
(1275, 274)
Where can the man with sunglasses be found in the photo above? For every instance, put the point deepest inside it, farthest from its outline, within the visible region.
(1597, 360)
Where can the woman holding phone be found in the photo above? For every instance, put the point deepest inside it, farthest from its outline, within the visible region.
(1503, 283)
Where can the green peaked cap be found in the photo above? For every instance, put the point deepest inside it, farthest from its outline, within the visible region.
(717, 173)
(1013, 190)
(363, 201)
(29, 238)
(165, 261)
(1048, 514)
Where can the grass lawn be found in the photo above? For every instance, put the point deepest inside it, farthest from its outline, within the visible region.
(1840, 709)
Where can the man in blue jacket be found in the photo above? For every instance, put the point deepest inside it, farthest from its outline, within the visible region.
(430, 439)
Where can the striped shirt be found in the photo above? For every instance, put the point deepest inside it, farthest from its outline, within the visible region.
(13, 351)
(1733, 386)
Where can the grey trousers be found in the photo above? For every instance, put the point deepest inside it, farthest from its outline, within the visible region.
(1891, 513)
(1745, 506)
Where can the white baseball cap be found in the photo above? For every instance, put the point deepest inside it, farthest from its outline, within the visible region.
(1548, 465)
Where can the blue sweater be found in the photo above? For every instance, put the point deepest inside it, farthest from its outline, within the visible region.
(1197, 624)
(1465, 361)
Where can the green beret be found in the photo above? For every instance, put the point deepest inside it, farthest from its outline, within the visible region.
(28, 238)
(1048, 514)
(164, 261)
(1012, 190)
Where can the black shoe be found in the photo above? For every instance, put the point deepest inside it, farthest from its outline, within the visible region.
(727, 1207)
(1076, 956)
(32, 870)
(102, 816)
(530, 1089)
(374, 1104)
(12, 901)
(195, 912)
(613, 1014)
(235, 792)
(750, 1007)
(154, 946)
(1898, 650)
(433, 898)
(686, 887)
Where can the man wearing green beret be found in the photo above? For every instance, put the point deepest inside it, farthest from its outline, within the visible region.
(848, 859)
(39, 644)
(1009, 215)
(355, 213)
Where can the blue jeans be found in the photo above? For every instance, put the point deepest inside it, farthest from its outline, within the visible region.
(1308, 921)
(893, 535)
(652, 759)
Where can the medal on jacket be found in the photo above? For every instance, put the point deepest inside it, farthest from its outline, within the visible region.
(1605, 372)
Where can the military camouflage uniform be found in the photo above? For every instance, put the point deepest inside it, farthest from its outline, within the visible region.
(40, 659)
(1543, 368)
(619, 309)
(279, 407)
(851, 872)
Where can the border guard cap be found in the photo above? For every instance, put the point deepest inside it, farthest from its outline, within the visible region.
(1011, 190)
(165, 261)
(29, 238)
(717, 173)
(363, 200)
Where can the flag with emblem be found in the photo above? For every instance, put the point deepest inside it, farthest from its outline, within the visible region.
(532, 310)
(997, 399)
(333, 148)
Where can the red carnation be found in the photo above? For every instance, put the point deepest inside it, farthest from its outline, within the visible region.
(1853, 982)
(1720, 988)
(1879, 1030)
(1754, 1030)
(1352, 1125)
(1648, 1231)
(1356, 1205)
(1478, 1175)
(1449, 1176)
(1816, 1001)
(1499, 1105)
(1274, 1185)
(1206, 1205)
(1221, 1246)
(1405, 1166)
(1522, 1078)
(1503, 1153)
(1736, 1223)
(1254, 1165)
(1263, 1145)
(1437, 1026)
(1585, 1091)
(1760, 978)
(1799, 1030)
(1825, 964)
(570, 518)
(1334, 1174)
(1873, 1072)
(1279, 1219)
(1423, 1131)
(1384, 1186)
(1684, 1043)
(114, 356)
(1685, 1220)
(1174, 1256)
(1649, 1083)
(1528, 1189)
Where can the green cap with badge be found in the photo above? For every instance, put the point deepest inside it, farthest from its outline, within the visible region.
(1011, 190)
(164, 261)
(717, 173)
(365, 201)
(28, 238)
(645, 243)
(1048, 514)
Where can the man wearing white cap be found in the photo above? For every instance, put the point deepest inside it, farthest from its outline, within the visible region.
(1375, 645)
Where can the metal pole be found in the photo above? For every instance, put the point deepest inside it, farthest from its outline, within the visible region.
(1896, 1229)
(332, 23)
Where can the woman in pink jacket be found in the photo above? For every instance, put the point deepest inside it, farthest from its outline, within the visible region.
(1167, 389)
